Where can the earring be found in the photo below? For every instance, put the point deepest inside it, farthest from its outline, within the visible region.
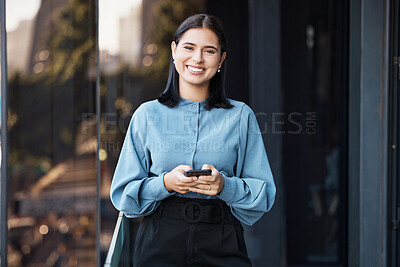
(173, 61)
(219, 69)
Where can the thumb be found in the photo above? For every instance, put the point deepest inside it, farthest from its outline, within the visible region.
(207, 166)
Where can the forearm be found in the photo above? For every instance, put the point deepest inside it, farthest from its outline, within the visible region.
(249, 198)
(138, 197)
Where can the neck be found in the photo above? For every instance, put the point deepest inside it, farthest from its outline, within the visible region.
(197, 94)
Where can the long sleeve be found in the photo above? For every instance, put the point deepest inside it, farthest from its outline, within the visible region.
(252, 192)
(160, 138)
(133, 190)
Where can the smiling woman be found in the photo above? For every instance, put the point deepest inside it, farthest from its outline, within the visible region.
(198, 220)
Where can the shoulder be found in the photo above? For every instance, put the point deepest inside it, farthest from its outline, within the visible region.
(140, 115)
(148, 105)
(241, 107)
(153, 106)
(147, 112)
(145, 108)
(247, 118)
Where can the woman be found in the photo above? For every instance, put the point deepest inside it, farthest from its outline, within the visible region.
(193, 221)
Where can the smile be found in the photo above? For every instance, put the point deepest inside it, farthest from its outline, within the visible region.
(195, 70)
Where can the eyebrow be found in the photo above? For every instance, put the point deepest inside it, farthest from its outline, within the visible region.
(207, 46)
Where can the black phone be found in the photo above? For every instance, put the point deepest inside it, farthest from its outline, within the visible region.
(197, 172)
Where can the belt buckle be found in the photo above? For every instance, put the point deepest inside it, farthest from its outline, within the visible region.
(185, 216)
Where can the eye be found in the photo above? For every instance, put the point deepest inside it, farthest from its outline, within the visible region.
(188, 48)
(210, 51)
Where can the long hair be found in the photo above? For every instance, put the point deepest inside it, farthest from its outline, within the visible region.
(217, 97)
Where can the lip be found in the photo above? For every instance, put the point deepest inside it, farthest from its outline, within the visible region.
(195, 72)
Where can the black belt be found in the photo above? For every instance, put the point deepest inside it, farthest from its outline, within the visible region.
(194, 210)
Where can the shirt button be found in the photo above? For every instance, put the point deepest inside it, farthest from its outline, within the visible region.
(194, 106)
(194, 131)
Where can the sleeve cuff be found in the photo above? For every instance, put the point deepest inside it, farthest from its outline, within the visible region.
(229, 189)
(159, 190)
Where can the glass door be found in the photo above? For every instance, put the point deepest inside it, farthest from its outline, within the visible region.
(51, 133)
(394, 156)
(3, 205)
(315, 146)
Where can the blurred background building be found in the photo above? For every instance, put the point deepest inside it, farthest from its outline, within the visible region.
(321, 76)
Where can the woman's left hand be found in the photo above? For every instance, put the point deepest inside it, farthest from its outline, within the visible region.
(209, 184)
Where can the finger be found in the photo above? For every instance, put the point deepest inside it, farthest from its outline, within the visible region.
(183, 188)
(214, 171)
(205, 187)
(187, 185)
(202, 191)
(208, 167)
(182, 178)
(203, 181)
(183, 168)
(207, 179)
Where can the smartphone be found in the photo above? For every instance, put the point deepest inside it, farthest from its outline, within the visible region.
(197, 172)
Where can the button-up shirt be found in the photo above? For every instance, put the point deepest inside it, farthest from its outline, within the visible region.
(160, 138)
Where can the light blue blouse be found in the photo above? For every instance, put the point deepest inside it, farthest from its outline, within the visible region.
(160, 138)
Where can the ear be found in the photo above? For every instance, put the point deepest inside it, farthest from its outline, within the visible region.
(222, 58)
(173, 49)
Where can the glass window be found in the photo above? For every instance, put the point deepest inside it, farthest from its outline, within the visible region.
(52, 180)
(315, 148)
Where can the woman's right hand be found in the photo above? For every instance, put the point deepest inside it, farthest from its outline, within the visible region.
(176, 180)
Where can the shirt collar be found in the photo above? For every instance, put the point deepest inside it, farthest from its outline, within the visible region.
(191, 105)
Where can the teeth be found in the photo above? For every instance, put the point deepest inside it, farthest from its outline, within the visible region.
(194, 69)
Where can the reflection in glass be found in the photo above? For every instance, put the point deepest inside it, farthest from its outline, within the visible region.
(52, 132)
(315, 158)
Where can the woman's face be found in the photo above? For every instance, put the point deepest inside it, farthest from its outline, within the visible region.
(197, 57)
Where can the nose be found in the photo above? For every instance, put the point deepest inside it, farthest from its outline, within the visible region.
(197, 56)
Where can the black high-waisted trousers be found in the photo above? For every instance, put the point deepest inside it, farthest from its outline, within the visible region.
(190, 232)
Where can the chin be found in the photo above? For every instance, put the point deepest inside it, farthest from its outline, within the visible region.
(196, 81)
